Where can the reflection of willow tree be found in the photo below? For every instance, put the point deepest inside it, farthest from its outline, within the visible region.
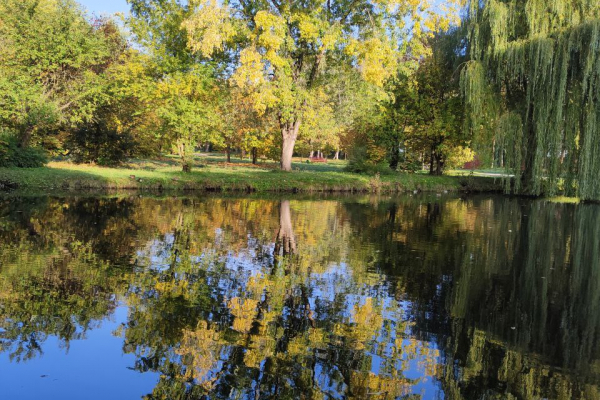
(526, 300)
(508, 288)
(414, 243)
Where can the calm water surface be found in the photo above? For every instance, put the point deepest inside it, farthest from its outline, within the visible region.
(250, 298)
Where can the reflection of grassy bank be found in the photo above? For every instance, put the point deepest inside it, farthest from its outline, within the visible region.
(232, 177)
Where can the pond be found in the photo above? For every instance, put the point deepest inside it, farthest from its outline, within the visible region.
(416, 297)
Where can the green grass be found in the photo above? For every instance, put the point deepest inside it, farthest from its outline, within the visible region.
(564, 199)
(212, 173)
(496, 172)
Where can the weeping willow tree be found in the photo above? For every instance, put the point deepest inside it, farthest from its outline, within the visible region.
(532, 88)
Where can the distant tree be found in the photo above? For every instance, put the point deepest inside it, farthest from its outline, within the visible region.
(241, 126)
(421, 118)
(439, 131)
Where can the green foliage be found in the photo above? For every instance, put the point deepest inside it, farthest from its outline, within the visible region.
(184, 100)
(283, 52)
(13, 155)
(421, 120)
(533, 85)
(99, 143)
(187, 111)
(156, 25)
(51, 64)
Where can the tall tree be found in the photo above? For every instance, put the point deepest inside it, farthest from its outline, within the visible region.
(438, 128)
(280, 49)
(533, 85)
(187, 95)
(420, 120)
(52, 61)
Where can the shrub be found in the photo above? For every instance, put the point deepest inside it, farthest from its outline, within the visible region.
(98, 143)
(360, 162)
(410, 165)
(11, 155)
(368, 158)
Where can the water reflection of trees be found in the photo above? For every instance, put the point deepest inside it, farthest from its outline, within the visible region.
(260, 298)
(52, 279)
(510, 293)
(534, 291)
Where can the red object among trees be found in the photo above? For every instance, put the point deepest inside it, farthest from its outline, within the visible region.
(317, 159)
(475, 164)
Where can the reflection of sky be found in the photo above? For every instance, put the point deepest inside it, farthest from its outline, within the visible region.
(336, 282)
(334, 293)
(94, 365)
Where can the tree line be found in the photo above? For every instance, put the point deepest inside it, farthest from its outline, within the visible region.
(268, 79)
(392, 84)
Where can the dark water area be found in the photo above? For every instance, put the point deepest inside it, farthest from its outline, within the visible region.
(333, 298)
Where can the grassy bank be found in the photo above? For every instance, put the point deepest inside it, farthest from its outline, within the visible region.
(212, 173)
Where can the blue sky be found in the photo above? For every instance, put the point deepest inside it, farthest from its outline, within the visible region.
(105, 6)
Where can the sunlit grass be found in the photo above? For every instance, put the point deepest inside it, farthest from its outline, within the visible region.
(496, 172)
(213, 173)
(564, 199)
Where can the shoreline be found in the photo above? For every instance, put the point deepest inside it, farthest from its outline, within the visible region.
(75, 178)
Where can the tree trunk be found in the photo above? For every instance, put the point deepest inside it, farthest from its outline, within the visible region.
(431, 161)
(242, 154)
(312, 154)
(439, 168)
(436, 165)
(286, 240)
(337, 155)
(26, 137)
(228, 151)
(493, 152)
(289, 133)
(254, 156)
(186, 165)
(527, 173)
(395, 158)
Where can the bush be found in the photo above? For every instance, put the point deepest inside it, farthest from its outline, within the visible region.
(361, 162)
(410, 165)
(98, 143)
(11, 155)
(369, 168)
